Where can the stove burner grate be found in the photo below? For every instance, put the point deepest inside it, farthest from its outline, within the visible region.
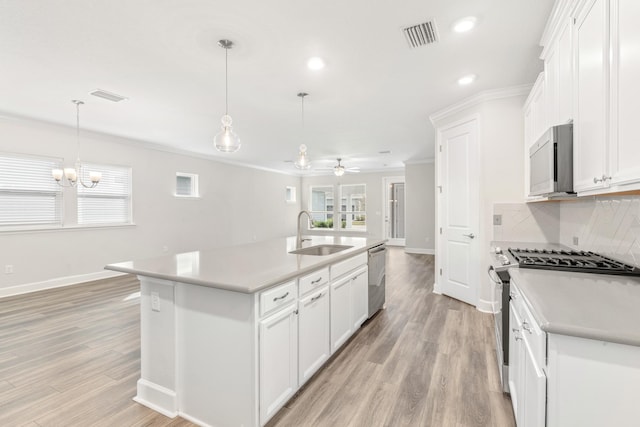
(569, 260)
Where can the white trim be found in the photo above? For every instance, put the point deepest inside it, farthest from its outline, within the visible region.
(484, 96)
(436, 288)
(419, 162)
(422, 251)
(57, 283)
(72, 227)
(158, 398)
(487, 306)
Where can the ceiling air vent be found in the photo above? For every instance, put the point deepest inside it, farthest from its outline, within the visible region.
(421, 34)
(108, 95)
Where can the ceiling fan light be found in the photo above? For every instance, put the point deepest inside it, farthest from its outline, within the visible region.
(338, 170)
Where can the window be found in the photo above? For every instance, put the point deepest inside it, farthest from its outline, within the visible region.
(28, 193)
(110, 201)
(321, 206)
(290, 194)
(186, 185)
(352, 211)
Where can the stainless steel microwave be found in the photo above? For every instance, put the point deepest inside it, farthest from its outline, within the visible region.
(551, 163)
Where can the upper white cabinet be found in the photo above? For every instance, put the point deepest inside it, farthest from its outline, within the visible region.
(624, 152)
(591, 95)
(558, 70)
(535, 124)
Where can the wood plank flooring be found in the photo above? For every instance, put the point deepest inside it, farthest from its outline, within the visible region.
(70, 357)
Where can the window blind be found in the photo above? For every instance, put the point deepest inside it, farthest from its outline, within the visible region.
(28, 193)
(110, 201)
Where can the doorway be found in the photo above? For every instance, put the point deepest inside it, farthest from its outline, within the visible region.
(394, 210)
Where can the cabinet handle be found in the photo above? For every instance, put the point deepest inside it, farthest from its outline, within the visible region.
(471, 235)
(516, 330)
(317, 297)
(282, 297)
(512, 295)
(525, 326)
(517, 338)
(603, 179)
(317, 280)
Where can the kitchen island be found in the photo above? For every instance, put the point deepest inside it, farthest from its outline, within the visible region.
(229, 335)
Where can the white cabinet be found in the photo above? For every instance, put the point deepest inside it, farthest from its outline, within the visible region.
(341, 326)
(558, 70)
(278, 361)
(607, 97)
(313, 333)
(359, 297)
(591, 96)
(527, 379)
(624, 151)
(534, 125)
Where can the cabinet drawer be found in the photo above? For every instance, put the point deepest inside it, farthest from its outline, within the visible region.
(277, 297)
(313, 281)
(346, 266)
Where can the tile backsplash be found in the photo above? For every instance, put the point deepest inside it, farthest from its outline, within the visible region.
(606, 225)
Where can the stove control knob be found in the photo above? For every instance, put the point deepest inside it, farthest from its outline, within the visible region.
(498, 250)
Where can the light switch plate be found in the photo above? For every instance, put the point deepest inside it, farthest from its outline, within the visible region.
(575, 240)
(497, 220)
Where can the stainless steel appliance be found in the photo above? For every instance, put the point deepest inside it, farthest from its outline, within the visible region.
(551, 163)
(377, 272)
(541, 256)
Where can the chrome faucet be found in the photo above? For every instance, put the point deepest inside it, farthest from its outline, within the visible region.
(299, 238)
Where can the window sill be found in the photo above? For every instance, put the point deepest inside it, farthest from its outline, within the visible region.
(49, 229)
(181, 196)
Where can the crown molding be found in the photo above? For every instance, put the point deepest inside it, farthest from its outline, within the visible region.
(479, 98)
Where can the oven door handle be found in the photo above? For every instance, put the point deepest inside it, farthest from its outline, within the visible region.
(491, 273)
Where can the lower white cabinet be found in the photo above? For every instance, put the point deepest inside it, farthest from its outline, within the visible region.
(278, 361)
(359, 297)
(313, 333)
(527, 379)
(341, 321)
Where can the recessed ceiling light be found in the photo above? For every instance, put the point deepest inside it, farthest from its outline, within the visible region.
(463, 81)
(315, 63)
(465, 24)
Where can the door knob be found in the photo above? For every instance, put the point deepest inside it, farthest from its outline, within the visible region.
(471, 235)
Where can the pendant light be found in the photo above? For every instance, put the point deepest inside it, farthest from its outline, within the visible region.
(74, 175)
(226, 140)
(302, 162)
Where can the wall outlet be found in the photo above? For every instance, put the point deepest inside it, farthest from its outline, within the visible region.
(155, 301)
(575, 240)
(8, 269)
(497, 220)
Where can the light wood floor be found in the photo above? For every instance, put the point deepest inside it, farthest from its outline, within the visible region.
(70, 357)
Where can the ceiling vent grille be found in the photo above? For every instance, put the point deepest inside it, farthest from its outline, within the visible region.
(421, 34)
(108, 95)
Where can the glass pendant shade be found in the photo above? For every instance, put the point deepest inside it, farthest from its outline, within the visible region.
(302, 162)
(227, 140)
(338, 170)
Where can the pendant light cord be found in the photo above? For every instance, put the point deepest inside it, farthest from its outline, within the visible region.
(78, 127)
(226, 81)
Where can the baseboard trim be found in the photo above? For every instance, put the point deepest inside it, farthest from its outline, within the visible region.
(487, 306)
(57, 283)
(420, 251)
(436, 288)
(158, 398)
(194, 420)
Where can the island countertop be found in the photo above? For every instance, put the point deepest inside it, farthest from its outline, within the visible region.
(595, 306)
(245, 268)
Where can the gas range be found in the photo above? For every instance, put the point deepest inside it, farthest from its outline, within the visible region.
(571, 260)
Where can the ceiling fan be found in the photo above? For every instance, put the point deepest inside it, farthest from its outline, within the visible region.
(339, 169)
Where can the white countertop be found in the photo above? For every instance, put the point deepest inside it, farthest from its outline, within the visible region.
(246, 268)
(595, 306)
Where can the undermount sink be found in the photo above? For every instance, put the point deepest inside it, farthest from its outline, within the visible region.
(320, 250)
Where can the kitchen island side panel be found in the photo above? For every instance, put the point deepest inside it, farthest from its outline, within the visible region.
(216, 356)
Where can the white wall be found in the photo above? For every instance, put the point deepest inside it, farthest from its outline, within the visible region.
(237, 205)
(420, 207)
(501, 166)
(374, 212)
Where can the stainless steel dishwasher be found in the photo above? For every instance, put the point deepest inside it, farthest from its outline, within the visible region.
(377, 266)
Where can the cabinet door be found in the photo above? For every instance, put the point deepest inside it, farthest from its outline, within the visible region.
(591, 95)
(534, 393)
(552, 83)
(625, 92)
(359, 298)
(278, 361)
(516, 369)
(565, 75)
(341, 325)
(314, 345)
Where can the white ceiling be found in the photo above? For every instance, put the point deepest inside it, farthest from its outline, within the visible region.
(375, 93)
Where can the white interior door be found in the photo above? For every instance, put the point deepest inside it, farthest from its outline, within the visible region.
(394, 210)
(459, 211)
